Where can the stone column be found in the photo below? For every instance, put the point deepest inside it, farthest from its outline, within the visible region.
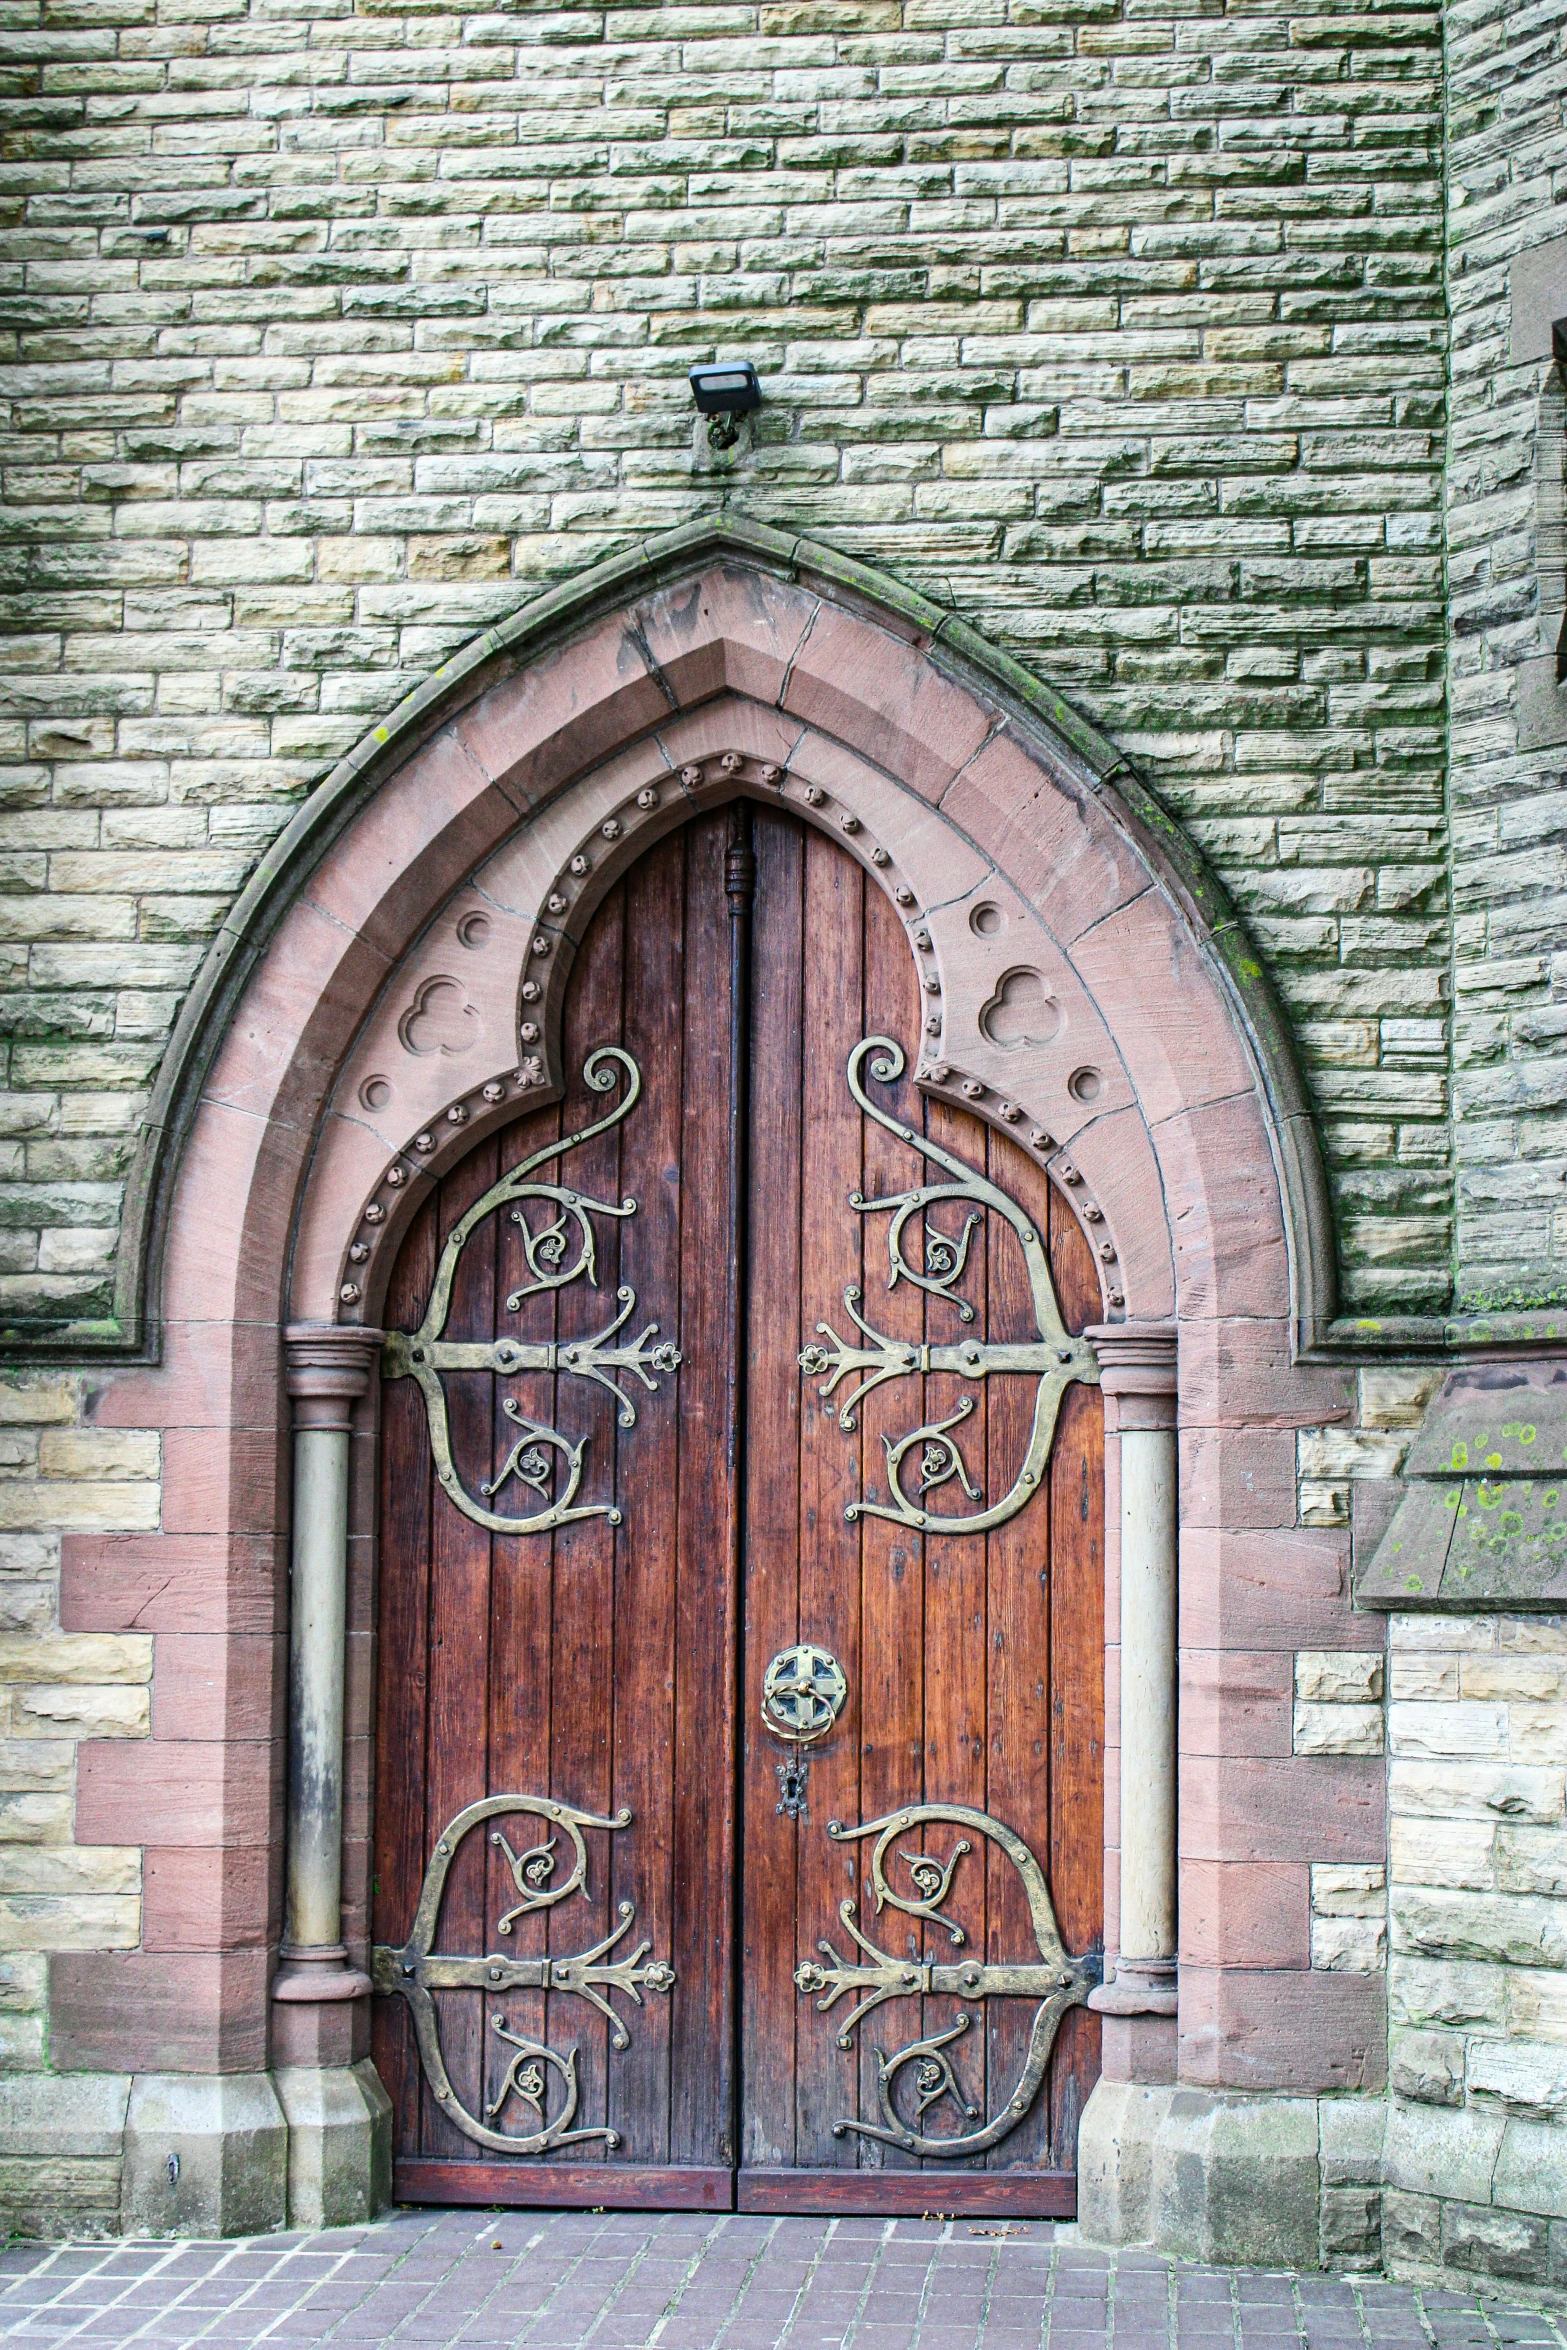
(338, 2113)
(1138, 1376)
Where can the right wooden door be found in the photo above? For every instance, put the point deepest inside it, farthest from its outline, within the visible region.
(899, 1981)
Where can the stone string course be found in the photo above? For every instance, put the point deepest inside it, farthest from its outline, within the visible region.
(339, 330)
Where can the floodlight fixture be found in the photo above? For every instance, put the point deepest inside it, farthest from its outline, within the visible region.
(726, 389)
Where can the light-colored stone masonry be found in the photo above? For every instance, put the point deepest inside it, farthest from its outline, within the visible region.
(59, 2155)
(340, 329)
(1507, 172)
(1476, 2149)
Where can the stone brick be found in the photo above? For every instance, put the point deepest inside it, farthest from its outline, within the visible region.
(1338, 1729)
(1428, 2067)
(1338, 1677)
(1497, 2243)
(1528, 2082)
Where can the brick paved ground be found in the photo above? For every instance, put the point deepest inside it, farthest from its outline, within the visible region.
(686, 2282)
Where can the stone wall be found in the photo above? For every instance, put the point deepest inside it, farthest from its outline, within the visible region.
(340, 329)
(1476, 2153)
(1507, 153)
(60, 2145)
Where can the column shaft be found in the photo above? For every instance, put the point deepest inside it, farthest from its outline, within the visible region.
(318, 1605)
(1148, 1693)
(328, 1371)
(1138, 1373)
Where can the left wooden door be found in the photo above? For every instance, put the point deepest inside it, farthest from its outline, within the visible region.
(555, 1728)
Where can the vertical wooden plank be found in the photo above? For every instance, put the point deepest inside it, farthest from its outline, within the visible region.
(647, 1488)
(706, 1601)
(1076, 1679)
(402, 1609)
(521, 1644)
(956, 1615)
(1018, 1567)
(771, 1841)
(892, 1561)
(582, 1713)
(831, 1010)
(458, 1669)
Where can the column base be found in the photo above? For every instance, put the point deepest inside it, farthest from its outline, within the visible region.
(1201, 2175)
(339, 2143)
(206, 2154)
(319, 2032)
(1142, 2048)
(1140, 1986)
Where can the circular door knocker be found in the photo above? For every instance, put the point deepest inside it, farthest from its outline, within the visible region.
(803, 1690)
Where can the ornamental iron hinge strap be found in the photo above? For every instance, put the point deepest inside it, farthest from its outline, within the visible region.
(560, 1249)
(1056, 1981)
(417, 1971)
(1054, 1359)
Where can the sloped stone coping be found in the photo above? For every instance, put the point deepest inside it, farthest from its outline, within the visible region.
(1483, 1523)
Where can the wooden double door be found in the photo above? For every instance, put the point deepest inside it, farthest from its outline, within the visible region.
(738, 1801)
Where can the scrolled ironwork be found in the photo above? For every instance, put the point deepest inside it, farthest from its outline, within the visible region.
(1058, 1982)
(1053, 1359)
(416, 1971)
(561, 1250)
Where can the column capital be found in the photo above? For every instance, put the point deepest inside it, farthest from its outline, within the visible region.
(1137, 1368)
(328, 1366)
